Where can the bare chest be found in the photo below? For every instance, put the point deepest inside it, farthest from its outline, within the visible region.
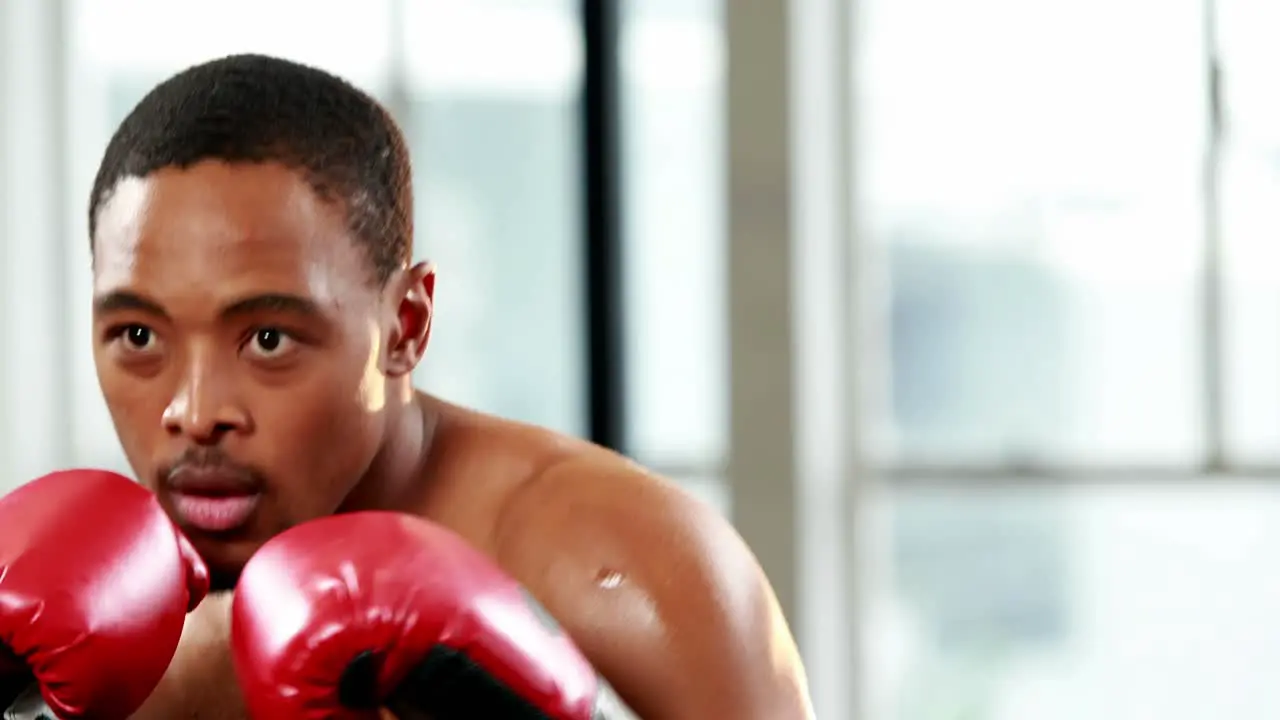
(200, 682)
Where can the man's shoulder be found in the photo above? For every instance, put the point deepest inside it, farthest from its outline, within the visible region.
(601, 529)
(471, 441)
(656, 587)
(592, 493)
(558, 506)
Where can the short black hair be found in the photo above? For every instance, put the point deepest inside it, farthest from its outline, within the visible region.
(255, 108)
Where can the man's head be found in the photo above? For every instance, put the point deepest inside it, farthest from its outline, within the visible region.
(256, 318)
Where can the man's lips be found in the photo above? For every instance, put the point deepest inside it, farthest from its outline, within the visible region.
(212, 499)
(214, 513)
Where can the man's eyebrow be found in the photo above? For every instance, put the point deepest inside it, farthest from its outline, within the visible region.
(118, 300)
(272, 303)
(124, 300)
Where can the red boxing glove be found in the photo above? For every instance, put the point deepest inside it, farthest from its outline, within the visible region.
(95, 588)
(340, 616)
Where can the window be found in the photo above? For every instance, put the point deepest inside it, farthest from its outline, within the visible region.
(1105, 600)
(674, 239)
(493, 120)
(1036, 214)
(1083, 337)
(1249, 190)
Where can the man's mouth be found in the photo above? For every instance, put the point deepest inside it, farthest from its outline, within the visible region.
(214, 513)
(212, 500)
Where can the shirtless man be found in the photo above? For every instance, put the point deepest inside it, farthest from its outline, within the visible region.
(257, 318)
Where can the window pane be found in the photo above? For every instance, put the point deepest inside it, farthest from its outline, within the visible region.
(674, 231)
(1040, 209)
(1250, 225)
(1088, 602)
(118, 50)
(493, 122)
(157, 38)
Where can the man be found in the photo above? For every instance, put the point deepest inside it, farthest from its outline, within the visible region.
(257, 320)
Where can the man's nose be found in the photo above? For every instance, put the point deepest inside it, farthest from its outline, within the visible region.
(203, 407)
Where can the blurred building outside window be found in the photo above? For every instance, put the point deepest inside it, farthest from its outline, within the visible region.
(1077, 202)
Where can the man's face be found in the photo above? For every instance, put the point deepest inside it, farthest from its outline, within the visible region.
(238, 343)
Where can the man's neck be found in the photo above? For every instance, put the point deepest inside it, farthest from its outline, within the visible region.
(397, 470)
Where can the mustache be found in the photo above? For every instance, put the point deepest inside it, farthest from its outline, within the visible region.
(208, 460)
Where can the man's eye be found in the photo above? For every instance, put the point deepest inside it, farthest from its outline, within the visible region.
(269, 342)
(138, 337)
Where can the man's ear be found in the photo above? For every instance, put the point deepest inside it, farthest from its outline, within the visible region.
(414, 303)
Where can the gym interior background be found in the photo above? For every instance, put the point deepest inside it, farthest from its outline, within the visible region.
(965, 312)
